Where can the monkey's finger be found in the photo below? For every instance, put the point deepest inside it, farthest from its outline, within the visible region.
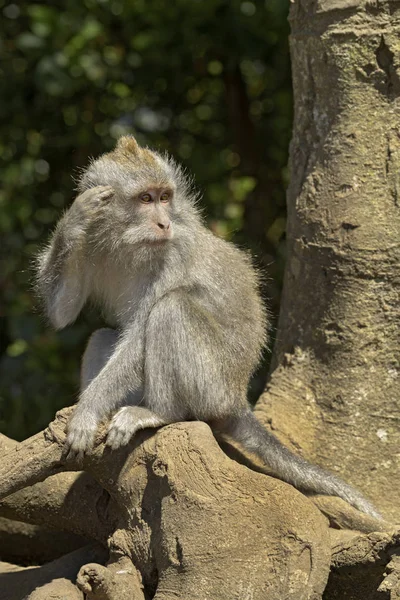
(113, 434)
(117, 438)
(95, 192)
(65, 455)
(113, 439)
(72, 453)
(78, 457)
(109, 439)
(68, 451)
(77, 443)
(104, 192)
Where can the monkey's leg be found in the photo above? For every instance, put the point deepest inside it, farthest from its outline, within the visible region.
(249, 432)
(128, 421)
(185, 367)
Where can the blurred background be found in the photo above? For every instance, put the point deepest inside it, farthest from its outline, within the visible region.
(207, 80)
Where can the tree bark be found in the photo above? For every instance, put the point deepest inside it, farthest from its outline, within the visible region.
(334, 389)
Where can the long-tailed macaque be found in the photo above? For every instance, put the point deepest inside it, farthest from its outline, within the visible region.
(189, 323)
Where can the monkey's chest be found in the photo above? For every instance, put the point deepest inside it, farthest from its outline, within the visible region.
(125, 295)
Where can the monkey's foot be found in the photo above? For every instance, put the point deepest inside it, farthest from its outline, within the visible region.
(127, 421)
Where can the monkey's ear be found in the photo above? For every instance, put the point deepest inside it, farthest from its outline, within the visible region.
(127, 143)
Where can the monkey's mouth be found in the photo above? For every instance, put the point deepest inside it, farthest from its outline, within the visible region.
(160, 238)
(159, 241)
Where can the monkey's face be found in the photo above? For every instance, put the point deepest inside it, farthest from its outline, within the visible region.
(150, 201)
(148, 214)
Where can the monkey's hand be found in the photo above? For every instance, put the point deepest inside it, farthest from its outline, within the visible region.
(89, 205)
(81, 431)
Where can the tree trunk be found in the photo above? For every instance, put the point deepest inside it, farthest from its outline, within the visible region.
(334, 390)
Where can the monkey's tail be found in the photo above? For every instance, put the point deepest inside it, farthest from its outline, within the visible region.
(249, 432)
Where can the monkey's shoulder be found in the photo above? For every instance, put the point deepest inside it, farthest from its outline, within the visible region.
(227, 259)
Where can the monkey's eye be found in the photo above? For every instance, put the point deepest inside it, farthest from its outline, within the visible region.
(146, 198)
(165, 197)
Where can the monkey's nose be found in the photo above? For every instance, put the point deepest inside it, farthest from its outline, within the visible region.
(165, 225)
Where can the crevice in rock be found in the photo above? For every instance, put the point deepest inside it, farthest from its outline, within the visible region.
(385, 60)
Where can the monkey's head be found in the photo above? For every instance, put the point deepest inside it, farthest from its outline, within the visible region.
(152, 197)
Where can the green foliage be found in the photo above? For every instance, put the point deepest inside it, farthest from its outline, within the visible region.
(207, 80)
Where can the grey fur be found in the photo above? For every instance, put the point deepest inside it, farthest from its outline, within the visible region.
(190, 324)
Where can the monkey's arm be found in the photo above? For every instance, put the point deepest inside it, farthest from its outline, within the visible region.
(62, 275)
(114, 385)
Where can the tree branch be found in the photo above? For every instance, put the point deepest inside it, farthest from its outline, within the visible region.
(72, 502)
(27, 544)
(20, 583)
(159, 490)
(34, 459)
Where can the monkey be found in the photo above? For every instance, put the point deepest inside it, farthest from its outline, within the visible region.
(187, 321)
